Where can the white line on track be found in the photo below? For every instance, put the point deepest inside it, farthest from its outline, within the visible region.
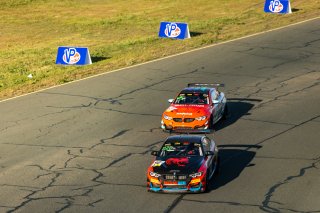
(159, 59)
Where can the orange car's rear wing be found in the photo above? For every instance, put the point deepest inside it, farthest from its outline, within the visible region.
(205, 85)
(191, 131)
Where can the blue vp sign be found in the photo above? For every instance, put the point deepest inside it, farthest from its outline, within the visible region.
(73, 56)
(174, 30)
(277, 6)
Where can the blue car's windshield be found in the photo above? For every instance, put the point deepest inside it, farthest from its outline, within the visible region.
(181, 149)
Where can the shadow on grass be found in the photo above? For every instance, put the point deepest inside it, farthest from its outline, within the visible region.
(234, 159)
(295, 10)
(237, 107)
(95, 59)
(195, 34)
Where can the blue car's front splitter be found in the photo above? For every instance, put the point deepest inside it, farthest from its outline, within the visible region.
(176, 190)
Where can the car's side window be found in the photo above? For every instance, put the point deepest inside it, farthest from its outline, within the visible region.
(214, 95)
(213, 144)
(206, 144)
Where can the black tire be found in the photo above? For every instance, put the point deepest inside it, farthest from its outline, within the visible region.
(218, 168)
(207, 184)
(211, 123)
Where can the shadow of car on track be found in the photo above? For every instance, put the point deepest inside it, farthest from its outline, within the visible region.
(237, 107)
(234, 159)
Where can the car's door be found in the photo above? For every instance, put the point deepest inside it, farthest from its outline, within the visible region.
(207, 146)
(216, 105)
(214, 149)
(221, 102)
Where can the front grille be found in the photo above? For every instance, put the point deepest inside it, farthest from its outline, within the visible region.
(177, 177)
(169, 177)
(183, 127)
(177, 119)
(188, 120)
(182, 177)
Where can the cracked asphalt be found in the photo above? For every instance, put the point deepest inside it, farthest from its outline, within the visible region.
(85, 146)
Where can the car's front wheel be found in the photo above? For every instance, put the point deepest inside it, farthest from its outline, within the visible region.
(211, 122)
(206, 189)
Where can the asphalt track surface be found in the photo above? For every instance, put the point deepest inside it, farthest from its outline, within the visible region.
(85, 146)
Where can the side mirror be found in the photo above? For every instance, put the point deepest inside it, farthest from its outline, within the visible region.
(171, 100)
(155, 153)
(209, 153)
(215, 101)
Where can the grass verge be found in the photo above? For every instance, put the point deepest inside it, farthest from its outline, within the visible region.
(119, 33)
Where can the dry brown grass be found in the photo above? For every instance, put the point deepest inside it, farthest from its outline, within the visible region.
(121, 32)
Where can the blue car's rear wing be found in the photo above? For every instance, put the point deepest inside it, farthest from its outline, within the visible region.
(205, 85)
(191, 131)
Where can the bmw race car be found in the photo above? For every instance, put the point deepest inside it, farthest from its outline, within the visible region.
(196, 108)
(185, 163)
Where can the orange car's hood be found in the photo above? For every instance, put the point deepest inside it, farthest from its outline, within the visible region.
(187, 110)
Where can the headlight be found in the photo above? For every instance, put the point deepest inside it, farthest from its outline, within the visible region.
(153, 174)
(201, 118)
(194, 175)
(167, 117)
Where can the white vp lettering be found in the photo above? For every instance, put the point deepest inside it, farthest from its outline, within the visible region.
(171, 28)
(69, 53)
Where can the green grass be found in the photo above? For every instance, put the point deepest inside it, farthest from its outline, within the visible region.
(118, 33)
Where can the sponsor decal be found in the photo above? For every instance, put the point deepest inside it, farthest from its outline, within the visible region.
(180, 182)
(197, 180)
(157, 163)
(189, 105)
(172, 30)
(168, 148)
(181, 97)
(170, 183)
(177, 161)
(155, 180)
(171, 108)
(184, 113)
(275, 6)
(71, 56)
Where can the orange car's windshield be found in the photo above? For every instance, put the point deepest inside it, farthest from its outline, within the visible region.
(192, 98)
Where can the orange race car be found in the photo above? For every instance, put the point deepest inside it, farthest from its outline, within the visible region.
(196, 108)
